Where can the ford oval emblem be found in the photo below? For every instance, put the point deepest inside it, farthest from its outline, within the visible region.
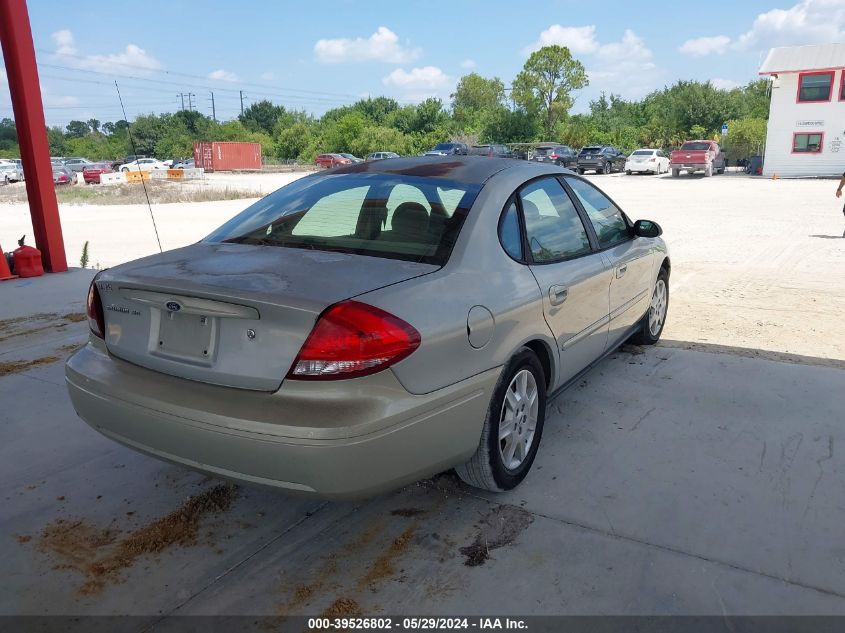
(172, 306)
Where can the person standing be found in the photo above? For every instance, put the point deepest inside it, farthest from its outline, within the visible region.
(839, 195)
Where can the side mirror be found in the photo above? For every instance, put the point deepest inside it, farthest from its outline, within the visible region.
(647, 228)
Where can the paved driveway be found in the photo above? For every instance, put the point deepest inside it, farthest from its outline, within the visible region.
(669, 481)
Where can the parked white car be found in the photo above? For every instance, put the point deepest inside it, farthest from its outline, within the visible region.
(652, 161)
(10, 171)
(143, 164)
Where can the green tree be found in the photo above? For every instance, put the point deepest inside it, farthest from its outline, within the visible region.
(474, 98)
(545, 85)
(77, 129)
(56, 141)
(376, 109)
(746, 137)
(261, 116)
(94, 124)
(501, 125)
(291, 142)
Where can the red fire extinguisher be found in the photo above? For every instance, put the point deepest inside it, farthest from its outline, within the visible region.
(27, 260)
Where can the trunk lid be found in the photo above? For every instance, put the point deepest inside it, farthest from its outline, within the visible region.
(232, 314)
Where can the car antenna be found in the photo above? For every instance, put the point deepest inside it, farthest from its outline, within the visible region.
(135, 153)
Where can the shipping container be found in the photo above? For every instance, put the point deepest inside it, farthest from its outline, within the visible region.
(227, 156)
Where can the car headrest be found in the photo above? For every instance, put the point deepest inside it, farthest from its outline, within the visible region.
(410, 219)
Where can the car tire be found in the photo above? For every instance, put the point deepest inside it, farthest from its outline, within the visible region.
(487, 469)
(651, 325)
(606, 169)
(628, 172)
(676, 173)
(580, 171)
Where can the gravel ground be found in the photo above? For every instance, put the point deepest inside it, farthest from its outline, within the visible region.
(757, 265)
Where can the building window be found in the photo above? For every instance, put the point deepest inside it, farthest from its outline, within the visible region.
(842, 86)
(815, 87)
(810, 143)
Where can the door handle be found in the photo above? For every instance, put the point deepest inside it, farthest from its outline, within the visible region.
(557, 295)
(621, 270)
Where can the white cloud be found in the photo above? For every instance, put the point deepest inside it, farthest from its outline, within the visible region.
(808, 22)
(51, 101)
(133, 57)
(468, 64)
(381, 46)
(725, 84)
(580, 40)
(223, 75)
(702, 46)
(420, 83)
(267, 76)
(625, 67)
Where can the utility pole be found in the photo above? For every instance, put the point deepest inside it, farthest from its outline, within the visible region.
(190, 102)
(213, 111)
(181, 95)
(242, 102)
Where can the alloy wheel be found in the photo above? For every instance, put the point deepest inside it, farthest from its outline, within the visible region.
(518, 421)
(657, 309)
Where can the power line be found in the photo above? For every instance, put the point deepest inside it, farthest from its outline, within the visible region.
(175, 73)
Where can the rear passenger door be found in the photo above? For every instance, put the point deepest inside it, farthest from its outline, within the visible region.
(573, 278)
(630, 258)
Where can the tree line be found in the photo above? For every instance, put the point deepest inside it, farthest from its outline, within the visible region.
(536, 107)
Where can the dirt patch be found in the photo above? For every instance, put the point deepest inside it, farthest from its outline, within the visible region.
(343, 608)
(448, 483)
(499, 527)
(75, 317)
(18, 366)
(70, 348)
(382, 567)
(23, 538)
(100, 554)
(407, 512)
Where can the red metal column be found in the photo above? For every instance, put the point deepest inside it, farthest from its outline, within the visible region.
(19, 54)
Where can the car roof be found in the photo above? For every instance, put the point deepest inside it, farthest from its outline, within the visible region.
(463, 169)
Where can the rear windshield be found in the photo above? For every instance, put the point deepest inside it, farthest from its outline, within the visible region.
(591, 150)
(445, 146)
(380, 215)
(643, 152)
(695, 146)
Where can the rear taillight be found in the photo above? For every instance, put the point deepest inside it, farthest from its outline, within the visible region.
(353, 339)
(96, 320)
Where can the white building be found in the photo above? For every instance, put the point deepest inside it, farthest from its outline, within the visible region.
(806, 132)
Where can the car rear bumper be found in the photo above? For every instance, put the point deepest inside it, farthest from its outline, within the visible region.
(689, 166)
(590, 164)
(343, 439)
(641, 167)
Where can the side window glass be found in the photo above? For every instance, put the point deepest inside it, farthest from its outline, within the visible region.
(509, 232)
(607, 220)
(552, 224)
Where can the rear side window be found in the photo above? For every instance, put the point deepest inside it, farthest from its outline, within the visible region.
(380, 215)
(509, 232)
(552, 224)
(607, 220)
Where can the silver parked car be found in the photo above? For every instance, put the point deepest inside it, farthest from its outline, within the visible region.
(371, 325)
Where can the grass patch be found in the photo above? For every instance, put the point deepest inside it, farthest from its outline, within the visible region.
(160, 192)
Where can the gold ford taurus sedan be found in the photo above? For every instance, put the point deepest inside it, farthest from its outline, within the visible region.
(371, 325)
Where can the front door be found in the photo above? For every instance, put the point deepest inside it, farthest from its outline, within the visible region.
(573, 278)
(630, 258)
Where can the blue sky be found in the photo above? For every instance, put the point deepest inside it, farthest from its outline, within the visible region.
(315, 56)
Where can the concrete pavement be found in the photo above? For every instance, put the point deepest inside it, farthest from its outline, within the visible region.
(669, 481)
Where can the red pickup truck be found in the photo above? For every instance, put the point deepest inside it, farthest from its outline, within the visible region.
(696, 156)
